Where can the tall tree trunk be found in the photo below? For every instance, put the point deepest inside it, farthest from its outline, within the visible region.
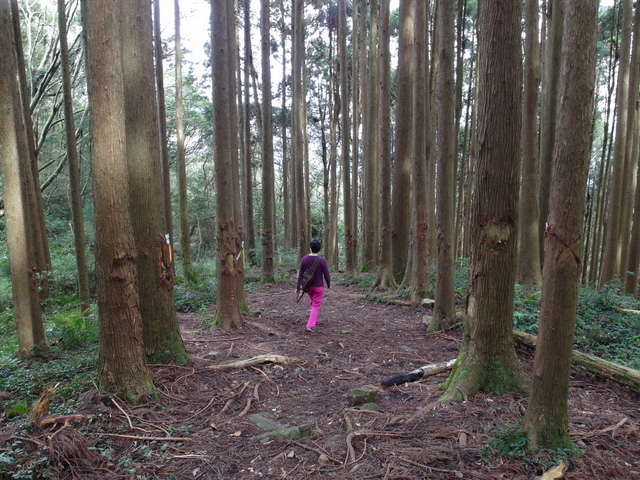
(432, 125)
(487, 360)
(185, 235)
(298, 133)
(333, 210)
(459, 170)
(249, 231)
(121, 360)
(287, 179)
(444, 309)
(401, 215)
(419, 249)
(529, 270)
(162, 120)
(629, 265)
(331, 218)
(385, 254)
(234, 148)
(74, 172)
(371, 177)
(546, 420)
(350, 252)
(38, 229)
(359, 53)
(603, 168)
(268, 174)
(548, 112)
(161, 332)
(631, 280)
(225, 154)
(15, 166)
(611, 257)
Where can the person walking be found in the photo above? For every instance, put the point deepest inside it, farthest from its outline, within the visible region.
(316, 289)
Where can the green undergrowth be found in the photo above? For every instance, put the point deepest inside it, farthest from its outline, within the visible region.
(68, 365)
(602, 329)
(509, 441)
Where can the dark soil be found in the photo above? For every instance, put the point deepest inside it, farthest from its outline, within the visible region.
(356, 344)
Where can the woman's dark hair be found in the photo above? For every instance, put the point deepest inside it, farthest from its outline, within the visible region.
(315, 246)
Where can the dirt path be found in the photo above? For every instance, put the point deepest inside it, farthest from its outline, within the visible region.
(355, 344)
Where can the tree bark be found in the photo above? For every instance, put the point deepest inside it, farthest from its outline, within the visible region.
(444, 309)
(268, 175)
(121, 360)
(74, 172)
(487, 360)
(548, 110)
(546, 420)
(385, 255)
(15, 166)
(419, 249)
(371, 176)
(632, 146)
(161, 332)
(611, 255)
(185, 237)
(248, 231)
(350, 253)
(287, 178)
(298, 134)
(228, 241)
(37, 226)
(401, 215)
(631, 250)
(162, 120)
(529, 270)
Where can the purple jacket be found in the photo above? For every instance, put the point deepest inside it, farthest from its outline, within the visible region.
(322, 270)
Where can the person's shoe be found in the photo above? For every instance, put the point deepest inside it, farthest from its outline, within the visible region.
(309, 329)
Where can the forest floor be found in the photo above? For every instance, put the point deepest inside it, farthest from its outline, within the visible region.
(211, 414)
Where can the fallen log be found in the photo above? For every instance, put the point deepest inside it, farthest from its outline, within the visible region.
(418, 373)
(626, 310)
(257, 360)
(598, 366)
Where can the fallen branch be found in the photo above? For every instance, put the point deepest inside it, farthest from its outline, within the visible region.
(602, 431)
(351, 453)
(428, 467)
(257, 360)
(422, 411)
(612, 371)
(418, 373)
(60, 419)
(149, 439)
(316, 450)
(626, 310)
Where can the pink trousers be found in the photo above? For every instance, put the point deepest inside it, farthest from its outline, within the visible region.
(316, 294)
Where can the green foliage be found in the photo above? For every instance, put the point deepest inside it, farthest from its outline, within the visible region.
(460, 276)
(194, 298)
(69, 371)
(601, 328)
(360, 282)
(6, 300)
(198, 296)
(526, 306)
(510, 440)
(69, 365)
(72, 330)
(18, 462)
